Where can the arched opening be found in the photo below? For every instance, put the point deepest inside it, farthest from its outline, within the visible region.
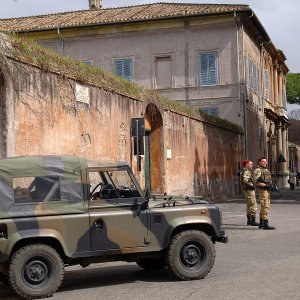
(154, 149)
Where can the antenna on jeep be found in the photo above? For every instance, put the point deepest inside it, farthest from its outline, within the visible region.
(147, 197)
(147, 194)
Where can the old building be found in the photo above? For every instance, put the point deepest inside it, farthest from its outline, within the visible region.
(212, 56)
(51, 104)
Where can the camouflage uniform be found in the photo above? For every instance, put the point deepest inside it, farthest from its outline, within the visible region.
(249, 192)
(264, 194)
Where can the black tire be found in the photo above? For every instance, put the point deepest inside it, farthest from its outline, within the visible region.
(35, 271)
(152, 263)
(191, 255)
(3, 278)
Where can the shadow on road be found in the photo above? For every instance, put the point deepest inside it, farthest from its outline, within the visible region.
(112, 275)
(100, 277)
(239, 227)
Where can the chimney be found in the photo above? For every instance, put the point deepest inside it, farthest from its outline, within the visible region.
(95, 4)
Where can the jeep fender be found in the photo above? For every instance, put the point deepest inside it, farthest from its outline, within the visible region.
(202, 223)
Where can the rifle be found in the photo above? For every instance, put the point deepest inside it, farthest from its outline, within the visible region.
(271, 185)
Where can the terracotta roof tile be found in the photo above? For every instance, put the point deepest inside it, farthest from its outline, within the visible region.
(115, 15)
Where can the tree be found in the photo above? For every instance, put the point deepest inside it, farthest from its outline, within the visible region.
(294, 130)
(293, 88)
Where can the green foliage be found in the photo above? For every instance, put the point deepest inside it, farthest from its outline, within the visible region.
(29, 51)
(293, 88)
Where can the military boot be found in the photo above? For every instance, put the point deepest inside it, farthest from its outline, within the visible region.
(267, 226)
(253, 222)
(261, 224)
(249, 220)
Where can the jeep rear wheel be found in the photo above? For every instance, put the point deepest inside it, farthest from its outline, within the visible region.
(36, 271)
(191, 255)
(152, 263)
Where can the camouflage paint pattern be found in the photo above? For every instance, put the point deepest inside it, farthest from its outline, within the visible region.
(86, 227)
(264, 195)
(251, 207)
(248, 191)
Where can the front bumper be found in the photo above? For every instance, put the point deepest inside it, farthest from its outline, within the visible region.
(222, 238)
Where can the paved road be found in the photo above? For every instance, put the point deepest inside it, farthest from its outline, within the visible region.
(255, 264)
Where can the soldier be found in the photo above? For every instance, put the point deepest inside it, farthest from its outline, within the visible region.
(261, 178)
(249, 192)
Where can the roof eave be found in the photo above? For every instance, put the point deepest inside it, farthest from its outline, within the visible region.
(133, 21)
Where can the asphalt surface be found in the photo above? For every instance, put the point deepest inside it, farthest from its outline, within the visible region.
(255, 264)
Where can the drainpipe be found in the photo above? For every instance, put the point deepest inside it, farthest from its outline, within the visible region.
(239, 84)
(262, 78)
(61, 42)
(186, 61)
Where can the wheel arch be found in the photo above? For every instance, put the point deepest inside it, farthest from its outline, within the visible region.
(205, 227)
(50, 241)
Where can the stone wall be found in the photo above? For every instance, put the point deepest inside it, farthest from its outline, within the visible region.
(48, 113)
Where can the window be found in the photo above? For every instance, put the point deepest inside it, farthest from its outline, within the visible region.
(258, 81)
(251, 74)
(163, 68)
(36, 189)
(283, 94)
(246, 70)
(208, 65)
(112, 184)
(266, 85)
(86, 61)
(123, 68)
(213, 111)
(254, 77)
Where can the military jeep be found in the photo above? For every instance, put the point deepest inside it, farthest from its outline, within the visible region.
(58, 211)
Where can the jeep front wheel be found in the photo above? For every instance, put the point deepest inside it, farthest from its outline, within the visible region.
(35, 271)
(191, 255)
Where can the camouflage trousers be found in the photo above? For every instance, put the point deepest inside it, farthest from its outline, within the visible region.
(264, 199)
(251, 202)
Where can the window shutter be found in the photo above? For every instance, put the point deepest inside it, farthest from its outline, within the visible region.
(203, 69)
(213, 111)
(250, 74)
(246, 70)
(266, 84)
(254, 78)
(123, 68)
(212, 61)
(208, 68)
(127, 69)
(258, 81)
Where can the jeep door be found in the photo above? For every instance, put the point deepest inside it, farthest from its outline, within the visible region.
(117, 221)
